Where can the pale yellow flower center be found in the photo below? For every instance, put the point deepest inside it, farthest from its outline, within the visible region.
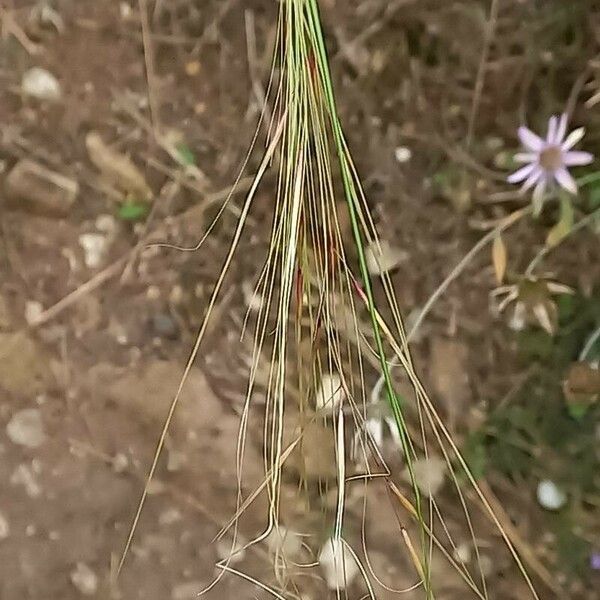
(551, 158)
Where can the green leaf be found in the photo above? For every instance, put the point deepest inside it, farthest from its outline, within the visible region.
(186, 155)
(475, 454)
(565, 222)
(132, 210)
(577, 411)
(534, 344)
(594, 198)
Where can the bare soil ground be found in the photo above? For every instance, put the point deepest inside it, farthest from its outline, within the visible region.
(98, 371)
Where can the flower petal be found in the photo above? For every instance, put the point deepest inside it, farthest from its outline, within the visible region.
(536, 175)
(542, 314)
(574, 137)
(538, 196)
(561, 130)
(530, 140)
(525, 157)
(564, 179)
(575, 159)
(522, 174)
(552, 125)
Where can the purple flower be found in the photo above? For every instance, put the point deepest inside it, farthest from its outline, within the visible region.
(595, 561)
(548, 159)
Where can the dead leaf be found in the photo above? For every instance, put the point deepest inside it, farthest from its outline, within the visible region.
(499, 258)
(582, 384)
(382, 257)
(118, 168)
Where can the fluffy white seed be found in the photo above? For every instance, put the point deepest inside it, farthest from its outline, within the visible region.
(429, 474)
(330, 393)
(338, 564)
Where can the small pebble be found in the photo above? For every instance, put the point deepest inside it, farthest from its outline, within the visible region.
(330, 393)
(33, 310)
(120, 463)
(84, 579)
(26, 428)
(41, 84)
(402, 154)
(153, 292)
(550, 496)
(125, 10)
(176, 294)
(94, 248)
(192, 68)
(4, 527)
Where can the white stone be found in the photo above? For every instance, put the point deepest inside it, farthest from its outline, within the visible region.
(26, 428)
(330, 393)
(338, 564)
(4, 526)
(33, 310)
(94, 248)
(402, 154)
(84, 579)
(120, 462)
(40, 83)
(550, 496)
